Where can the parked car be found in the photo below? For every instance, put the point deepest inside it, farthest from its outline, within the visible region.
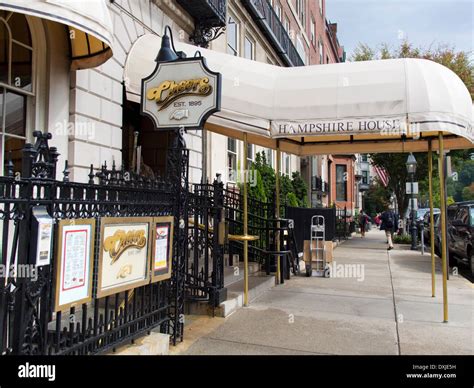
(461, 234)
(421, 212)
(426, 225)
(451, 212)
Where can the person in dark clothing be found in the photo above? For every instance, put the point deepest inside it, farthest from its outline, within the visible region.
(363, 220)
(390, 225)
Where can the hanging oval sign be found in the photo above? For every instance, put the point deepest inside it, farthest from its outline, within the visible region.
(181, 93)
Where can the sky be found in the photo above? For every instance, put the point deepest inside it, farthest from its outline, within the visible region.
(422, 22)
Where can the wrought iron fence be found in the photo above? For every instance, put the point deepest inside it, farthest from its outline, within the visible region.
(205, 266)
(28, 324)
(345, 225)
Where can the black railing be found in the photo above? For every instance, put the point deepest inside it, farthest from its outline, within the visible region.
(265, 16)
(209, 19)
(205, 266)
(345, 224)
(263, 224)
(213, 11)
(29, 323)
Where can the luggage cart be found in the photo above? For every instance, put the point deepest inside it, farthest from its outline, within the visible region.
(317, 251)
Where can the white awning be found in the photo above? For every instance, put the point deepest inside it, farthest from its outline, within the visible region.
(88, 22)
(354, 103)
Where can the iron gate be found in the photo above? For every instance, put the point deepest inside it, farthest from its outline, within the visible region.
(28, 324)
(206, 240)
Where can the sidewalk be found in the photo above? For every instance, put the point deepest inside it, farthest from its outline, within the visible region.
(348, 316)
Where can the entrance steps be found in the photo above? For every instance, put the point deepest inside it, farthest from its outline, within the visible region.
(259, 282)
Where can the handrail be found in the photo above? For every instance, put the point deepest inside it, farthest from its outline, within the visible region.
(232, 237)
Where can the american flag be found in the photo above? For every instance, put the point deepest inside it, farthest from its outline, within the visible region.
(382, 174)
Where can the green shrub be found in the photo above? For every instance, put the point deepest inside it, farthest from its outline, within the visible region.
(402, 239)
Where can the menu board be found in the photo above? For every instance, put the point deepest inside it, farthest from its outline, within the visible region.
(162, 247)
(74, 262)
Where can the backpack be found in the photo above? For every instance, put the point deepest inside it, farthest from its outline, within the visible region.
(390, 221)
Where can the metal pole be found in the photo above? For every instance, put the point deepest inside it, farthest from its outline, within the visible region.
(443, 225)
(430, 188)
(246, 243)
(413, 215)
(277, 210)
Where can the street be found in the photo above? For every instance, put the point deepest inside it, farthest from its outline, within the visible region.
(388, 311)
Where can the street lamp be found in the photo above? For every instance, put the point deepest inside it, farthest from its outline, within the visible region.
(411, 168)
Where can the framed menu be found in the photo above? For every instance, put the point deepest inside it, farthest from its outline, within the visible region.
(75, 253)
(124, 254)
(162, 248)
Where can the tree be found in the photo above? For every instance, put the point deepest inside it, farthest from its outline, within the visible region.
(376, 199)
(394, 164)
(300, 188)
(293, 191)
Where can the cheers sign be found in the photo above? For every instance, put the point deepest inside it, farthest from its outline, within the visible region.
(181, 93)
(120, 241)
(169, 91)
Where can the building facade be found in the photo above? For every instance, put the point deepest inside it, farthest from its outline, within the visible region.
(89, 116)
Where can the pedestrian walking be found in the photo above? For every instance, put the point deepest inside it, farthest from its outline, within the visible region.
(390, 225)
(363, 220)
(377, 220)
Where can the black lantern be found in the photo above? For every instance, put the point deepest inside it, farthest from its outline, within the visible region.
(411, 164)
(167, 51)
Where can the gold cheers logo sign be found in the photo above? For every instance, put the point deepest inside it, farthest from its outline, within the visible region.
(169, 91)
(117, 244)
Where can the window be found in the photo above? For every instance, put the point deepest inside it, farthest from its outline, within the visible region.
(285, 163)
(301, 11)
(231, 159)
(472, 216)
(16, 85)
(321, 6)
(287, 25)
(314, 165)
(278, 10)
(232, 36)
(463, 215)
(300, 49)
(250, 155)
(313, 31)
(341, 182)
(365, 177)
(327, 59)
(249, 49)
(321, 53)
(269, 157)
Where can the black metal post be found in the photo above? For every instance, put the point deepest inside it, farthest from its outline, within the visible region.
(414, 231)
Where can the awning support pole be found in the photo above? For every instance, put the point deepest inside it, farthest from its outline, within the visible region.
(430, 181)
(443, 226)
(246, 243)
(277, 210)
